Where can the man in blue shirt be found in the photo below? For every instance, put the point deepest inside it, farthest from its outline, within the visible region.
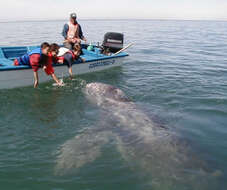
(72, 32)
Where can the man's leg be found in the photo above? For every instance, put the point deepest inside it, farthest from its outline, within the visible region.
(68, 60)
(68, 45)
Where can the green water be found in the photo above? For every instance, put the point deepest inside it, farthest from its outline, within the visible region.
(176, 74)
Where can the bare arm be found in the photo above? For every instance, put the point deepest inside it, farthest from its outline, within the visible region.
(36, 79)
(81, 34)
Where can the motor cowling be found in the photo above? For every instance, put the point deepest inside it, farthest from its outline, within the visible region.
(113, 42)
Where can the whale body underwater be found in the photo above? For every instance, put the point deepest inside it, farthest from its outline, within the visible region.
(147, 147)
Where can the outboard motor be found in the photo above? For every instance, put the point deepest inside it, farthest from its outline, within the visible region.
(113, 42)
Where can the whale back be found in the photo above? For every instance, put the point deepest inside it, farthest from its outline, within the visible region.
(103, 92)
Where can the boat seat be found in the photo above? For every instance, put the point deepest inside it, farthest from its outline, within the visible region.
(14, 52)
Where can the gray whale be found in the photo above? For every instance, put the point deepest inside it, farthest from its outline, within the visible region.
(149, 148)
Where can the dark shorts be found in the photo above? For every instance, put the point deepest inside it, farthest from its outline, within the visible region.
(68, 59)
(68, 45)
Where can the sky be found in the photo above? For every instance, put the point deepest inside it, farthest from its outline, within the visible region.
(11, 10)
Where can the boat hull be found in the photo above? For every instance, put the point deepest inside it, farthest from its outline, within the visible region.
(24, 77)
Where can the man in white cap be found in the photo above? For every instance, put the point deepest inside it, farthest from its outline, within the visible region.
(72, 32)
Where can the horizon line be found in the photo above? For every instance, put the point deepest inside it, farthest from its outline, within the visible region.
(155, 19)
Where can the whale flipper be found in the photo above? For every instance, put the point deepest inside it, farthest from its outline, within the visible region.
(80, 150)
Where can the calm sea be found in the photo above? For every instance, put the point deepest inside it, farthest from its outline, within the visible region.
(176, 74)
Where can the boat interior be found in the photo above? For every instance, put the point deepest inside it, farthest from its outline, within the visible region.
(8, 54)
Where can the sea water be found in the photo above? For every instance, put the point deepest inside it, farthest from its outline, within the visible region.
(176, 73)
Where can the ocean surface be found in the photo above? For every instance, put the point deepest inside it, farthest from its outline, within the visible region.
(176, 74)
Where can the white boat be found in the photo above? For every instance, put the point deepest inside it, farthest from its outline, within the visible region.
(19, 76)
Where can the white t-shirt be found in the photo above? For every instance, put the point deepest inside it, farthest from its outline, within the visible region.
(62, 51)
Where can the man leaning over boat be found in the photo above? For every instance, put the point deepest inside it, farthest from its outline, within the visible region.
(40, 57)
(69, 57)
(72, 32)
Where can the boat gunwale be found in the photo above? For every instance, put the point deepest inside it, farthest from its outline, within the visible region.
(24, 67)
